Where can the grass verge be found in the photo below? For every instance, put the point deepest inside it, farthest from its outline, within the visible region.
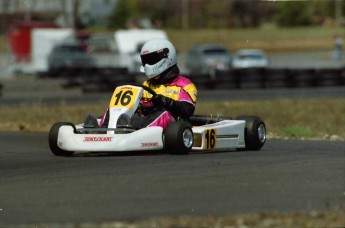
(300, 118)
(270, 39)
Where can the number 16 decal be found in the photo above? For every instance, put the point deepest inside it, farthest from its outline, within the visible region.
(124, 97)
(210, 139)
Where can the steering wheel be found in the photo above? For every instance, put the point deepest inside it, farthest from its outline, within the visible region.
(146, 88)
(144, 108)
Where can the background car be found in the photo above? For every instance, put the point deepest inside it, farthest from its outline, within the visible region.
(68, 56)
(250, 58)
(206, 58)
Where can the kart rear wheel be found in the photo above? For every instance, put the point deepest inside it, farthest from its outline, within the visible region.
(254, 133)
(179, 138)
(53, 137)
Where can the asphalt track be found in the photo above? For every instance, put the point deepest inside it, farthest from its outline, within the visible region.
(285, 176)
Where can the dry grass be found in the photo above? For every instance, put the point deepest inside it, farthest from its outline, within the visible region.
(332, 219)
(270, 39)
(321, 118)
(308, 118)
(267, 220)
(41, 117)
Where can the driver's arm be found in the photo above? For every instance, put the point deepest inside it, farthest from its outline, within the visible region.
(183, 109)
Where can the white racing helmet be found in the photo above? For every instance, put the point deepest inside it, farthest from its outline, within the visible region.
(157, 55)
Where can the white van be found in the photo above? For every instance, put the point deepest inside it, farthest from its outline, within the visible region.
(121, 48)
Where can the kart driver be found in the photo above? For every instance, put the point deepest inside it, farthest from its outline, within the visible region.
(176, 95)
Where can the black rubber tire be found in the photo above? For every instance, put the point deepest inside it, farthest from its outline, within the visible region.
(53, 136)
(251, 132)
(174, 138)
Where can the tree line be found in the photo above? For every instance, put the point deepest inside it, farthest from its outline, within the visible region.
(199, 14)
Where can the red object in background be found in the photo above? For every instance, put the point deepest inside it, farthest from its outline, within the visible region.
(19, 38)
(82, 36)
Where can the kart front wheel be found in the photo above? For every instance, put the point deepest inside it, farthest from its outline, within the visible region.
(53, 139)
(179, 138)
(254, 133)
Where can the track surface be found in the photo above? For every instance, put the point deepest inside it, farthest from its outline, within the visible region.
(286, 176)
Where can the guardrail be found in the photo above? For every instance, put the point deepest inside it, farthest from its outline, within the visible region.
(92, 79)
(271, 78)
(95, 79)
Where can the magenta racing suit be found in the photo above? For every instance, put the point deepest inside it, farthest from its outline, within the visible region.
(176, 98)
(180, 96)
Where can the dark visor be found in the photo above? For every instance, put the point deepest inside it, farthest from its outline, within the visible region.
(154, 57)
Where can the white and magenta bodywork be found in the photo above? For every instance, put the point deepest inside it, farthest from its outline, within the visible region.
(216, 136)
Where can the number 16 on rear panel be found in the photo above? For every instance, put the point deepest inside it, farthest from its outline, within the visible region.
(210, 139)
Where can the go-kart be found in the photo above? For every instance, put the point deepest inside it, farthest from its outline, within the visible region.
(197, 133)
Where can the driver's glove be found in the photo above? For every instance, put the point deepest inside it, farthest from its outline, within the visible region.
(163, 102)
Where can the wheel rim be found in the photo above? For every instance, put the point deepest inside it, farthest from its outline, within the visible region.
(187, 138)
(262, 133)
